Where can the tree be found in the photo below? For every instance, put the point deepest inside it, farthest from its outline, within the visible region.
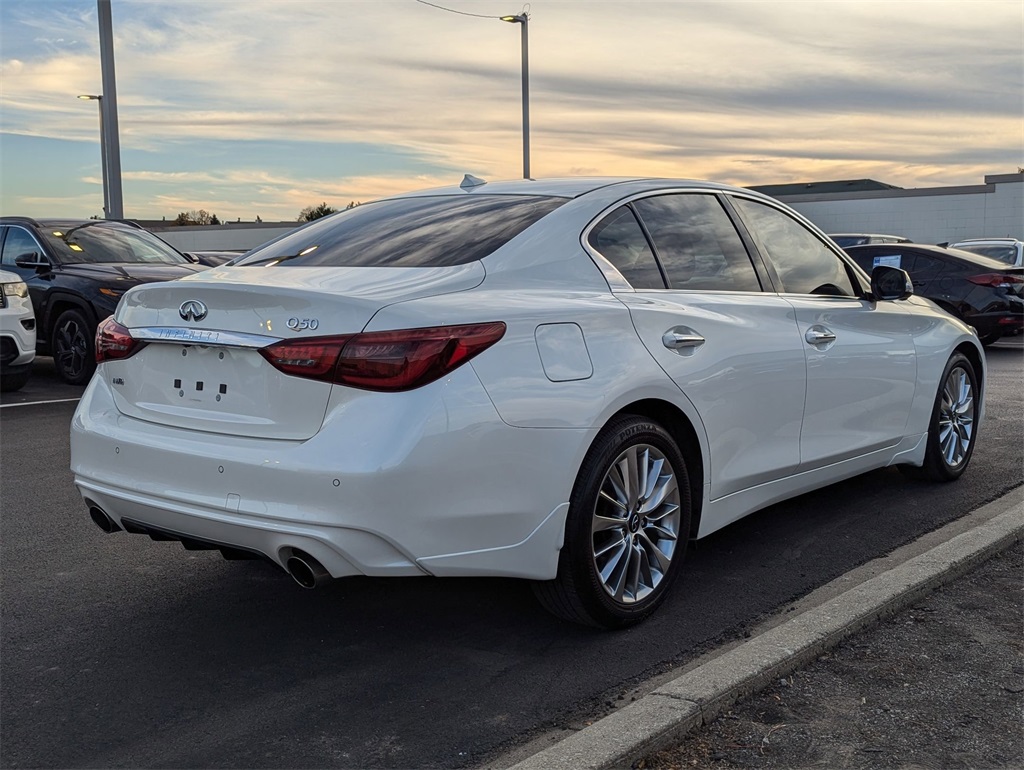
(310, 213)
(200, 217)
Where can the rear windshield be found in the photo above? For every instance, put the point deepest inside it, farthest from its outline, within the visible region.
(1007, 254)
(408, 232)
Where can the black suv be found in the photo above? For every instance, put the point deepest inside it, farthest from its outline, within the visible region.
(76, 271)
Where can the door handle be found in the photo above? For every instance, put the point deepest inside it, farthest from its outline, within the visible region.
(674, 340)
(819, 335)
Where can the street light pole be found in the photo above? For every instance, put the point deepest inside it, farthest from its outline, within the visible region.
(109, 106)
(103, 153)
(524, 20)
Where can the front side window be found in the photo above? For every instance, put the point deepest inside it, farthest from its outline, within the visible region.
(18, 243)
(619, 239)
(803, 262)
(430, 231)
(99, 241)
(697, 244)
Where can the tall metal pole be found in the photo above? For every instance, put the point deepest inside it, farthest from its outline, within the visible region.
(103, 162)
(98, 98)
(523, 19)
(108, 113)
(526, 98)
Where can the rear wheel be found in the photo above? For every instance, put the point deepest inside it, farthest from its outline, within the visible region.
(952, 431)
(627, 528)
(989, 339)
(72, 345)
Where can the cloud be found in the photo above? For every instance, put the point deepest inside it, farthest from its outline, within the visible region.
(903, 89)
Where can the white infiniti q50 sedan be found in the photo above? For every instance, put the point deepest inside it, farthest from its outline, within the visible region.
(562, 381)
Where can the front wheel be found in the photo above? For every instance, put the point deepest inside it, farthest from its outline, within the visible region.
(953, 427)
(72, 346)
(627, 528)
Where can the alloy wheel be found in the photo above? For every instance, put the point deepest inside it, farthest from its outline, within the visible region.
(956, 417)
(72, 348)
(635, 526)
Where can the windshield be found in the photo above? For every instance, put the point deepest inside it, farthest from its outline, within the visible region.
(408, 232)
(1007, 254)
(101, 241)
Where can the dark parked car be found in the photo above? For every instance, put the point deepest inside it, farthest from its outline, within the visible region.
(212, 258)
(857, 239)
(986, 293)
(76, 271)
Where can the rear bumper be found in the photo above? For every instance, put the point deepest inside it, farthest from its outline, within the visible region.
(1005, 322)
(425, 482)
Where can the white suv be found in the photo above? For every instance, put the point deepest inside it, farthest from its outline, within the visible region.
(1008, 250)
(17, 332)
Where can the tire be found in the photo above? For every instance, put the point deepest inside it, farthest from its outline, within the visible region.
(72, 343)
(990, 339)
(951, 430)
(10, 382)
(624, 544)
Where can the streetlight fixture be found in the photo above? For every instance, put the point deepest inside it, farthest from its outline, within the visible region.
(98, 98)
(524, 19)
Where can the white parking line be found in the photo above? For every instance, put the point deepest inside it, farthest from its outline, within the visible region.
(33, 403)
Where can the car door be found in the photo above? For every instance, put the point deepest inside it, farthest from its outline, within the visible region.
(860, 358)
(730, 347)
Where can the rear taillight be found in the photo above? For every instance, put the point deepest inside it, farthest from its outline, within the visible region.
(115, 342)
(997, 280)
(384, 361)
(314, 357)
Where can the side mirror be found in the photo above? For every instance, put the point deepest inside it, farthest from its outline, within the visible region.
(191, 257)
(889, 283)
(32, 259)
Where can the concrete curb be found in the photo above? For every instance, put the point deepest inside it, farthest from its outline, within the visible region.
(661, 717)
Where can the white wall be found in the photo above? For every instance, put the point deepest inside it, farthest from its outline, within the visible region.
(222, 237)
(932, 215)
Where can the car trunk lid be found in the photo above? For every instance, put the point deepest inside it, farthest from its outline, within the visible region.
(202, 369)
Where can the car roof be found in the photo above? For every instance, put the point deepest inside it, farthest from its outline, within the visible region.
(939, 251)
(999, 241)
(65, 222)
(864, 235)
(572, 187)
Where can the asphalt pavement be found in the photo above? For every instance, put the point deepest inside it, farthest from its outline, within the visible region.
(121, 652)
(945, 693)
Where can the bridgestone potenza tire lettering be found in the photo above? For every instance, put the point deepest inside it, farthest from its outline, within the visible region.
(627, 528)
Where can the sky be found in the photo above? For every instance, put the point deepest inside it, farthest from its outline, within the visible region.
(251, 108)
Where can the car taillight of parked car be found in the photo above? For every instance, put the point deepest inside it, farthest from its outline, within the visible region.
(997, 280)
(384, 361)
(114, 342)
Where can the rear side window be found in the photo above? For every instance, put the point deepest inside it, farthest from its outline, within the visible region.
(409, 232)
(697, 243)
(619, 239)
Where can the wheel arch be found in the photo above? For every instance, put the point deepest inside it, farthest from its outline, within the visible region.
(60, 303)
(683, 432)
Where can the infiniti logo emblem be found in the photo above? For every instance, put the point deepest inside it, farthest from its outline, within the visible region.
(192, 310)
